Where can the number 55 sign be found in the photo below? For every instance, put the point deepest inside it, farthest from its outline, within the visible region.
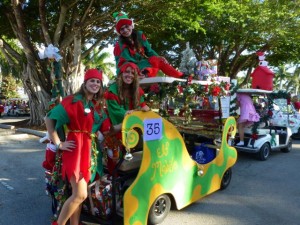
(152, 129)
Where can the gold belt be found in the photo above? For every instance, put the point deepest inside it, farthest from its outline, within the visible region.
(80, 131)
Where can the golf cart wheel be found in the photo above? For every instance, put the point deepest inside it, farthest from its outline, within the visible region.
(289, 146)
(264, 152)
(159, 210)
(226, 179)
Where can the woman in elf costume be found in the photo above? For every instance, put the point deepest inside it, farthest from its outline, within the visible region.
(78, 112)
(133, 46)
(125, 95)
(122, 98)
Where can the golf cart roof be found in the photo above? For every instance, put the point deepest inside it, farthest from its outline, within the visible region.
(253, 91)
(169, 80)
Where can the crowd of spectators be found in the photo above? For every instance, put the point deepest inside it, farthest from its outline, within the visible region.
(7, 105)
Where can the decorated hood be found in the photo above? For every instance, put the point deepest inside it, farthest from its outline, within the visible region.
(167, 167)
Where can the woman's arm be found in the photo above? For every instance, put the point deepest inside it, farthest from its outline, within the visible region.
(67, 145)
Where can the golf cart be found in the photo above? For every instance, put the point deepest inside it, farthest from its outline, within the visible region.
(285, 114)
(263, 137)
(174, 159)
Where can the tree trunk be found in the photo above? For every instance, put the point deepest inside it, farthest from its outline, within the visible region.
(38, 98)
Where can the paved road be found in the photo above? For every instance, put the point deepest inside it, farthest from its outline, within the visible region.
(260, 193)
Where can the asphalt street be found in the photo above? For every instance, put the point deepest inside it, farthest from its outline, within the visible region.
(260, 193)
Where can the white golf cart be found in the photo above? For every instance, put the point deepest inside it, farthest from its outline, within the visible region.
(285, 114)
(262, 137)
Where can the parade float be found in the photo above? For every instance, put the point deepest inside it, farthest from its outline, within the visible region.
(176, 154)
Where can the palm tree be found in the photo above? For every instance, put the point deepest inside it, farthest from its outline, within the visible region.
(280, 77)
(99, 60)
(294, 82)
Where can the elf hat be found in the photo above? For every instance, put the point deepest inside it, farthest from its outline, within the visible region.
(129, 64)
(92, 73)
(121, 20)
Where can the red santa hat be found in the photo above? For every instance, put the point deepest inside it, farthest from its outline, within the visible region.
(261, 55)
(92, 73)
(129, 64)
(121, 20)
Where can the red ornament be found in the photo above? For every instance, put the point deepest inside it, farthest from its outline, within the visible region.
(206, 88)
(270, 113)
(155, 88)
(227, 86)
(189, 80)
(254, 136)
(180, 89)
(216, 91)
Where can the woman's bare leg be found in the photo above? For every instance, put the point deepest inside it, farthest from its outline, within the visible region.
(241, 127)
(74, 219)
(73, 203)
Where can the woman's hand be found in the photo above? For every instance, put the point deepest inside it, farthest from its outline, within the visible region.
(129, 112)
(67, 146)
(145, 108)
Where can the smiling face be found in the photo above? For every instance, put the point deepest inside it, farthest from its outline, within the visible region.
(128, 75)
(93, 86)
(126, 30)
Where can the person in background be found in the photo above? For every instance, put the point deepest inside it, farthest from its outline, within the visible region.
(296, 103)
(133, 46)
(248, 115)
(1, 109)
(78, 113)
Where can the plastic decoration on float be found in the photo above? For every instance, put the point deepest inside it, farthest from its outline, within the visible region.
(185, 94)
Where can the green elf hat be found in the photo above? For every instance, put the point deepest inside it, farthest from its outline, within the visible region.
(121, 20)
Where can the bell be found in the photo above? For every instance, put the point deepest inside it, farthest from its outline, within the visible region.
(128, 156)
(200, 173)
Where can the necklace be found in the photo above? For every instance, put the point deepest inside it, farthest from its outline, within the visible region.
(87, 110)
(87, 107)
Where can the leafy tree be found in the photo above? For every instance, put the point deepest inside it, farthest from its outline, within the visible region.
(293, 80)
(9, 87)
(68, 25)
(230, 31)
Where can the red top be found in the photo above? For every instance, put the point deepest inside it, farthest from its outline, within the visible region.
(297, 105)
(81, 125)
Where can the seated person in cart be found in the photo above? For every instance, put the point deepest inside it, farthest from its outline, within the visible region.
(123, 97)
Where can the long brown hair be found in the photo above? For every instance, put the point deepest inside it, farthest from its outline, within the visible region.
(132, 41)
(134, 89)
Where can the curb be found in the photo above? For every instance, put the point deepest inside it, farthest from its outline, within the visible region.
(4, 126)
(24, 130)
(33, 132)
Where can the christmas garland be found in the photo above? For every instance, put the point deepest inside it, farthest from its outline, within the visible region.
(184, 95)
